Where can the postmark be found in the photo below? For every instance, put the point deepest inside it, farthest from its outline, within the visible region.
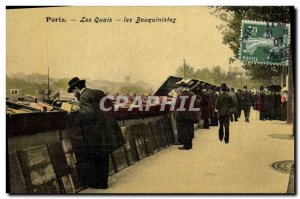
(265, 43)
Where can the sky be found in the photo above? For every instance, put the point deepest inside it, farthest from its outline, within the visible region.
(143, 51)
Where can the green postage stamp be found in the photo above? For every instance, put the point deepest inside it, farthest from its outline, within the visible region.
(265, 43)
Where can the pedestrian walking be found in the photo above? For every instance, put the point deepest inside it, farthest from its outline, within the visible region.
(246, 103)
(234, 108)
(223, 104)
(213, 117)
(239, 100)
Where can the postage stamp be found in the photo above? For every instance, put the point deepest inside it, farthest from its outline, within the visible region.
(265, 43)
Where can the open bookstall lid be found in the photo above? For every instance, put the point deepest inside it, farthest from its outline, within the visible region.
(167, 86)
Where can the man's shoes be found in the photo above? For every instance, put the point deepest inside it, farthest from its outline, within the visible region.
(226, 142)
(221, 139)
(184, 148)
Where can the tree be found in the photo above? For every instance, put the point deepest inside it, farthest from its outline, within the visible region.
(185, 71)
(132, 89)
(218, 75)
(203, 74)
(61, 84)
(215, 75)
(230, 29)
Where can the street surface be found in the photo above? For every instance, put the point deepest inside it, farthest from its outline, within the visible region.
(242, 166)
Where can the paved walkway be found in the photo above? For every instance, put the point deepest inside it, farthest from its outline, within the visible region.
(242, 166)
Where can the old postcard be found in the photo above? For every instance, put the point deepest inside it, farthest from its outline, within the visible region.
(150, 100)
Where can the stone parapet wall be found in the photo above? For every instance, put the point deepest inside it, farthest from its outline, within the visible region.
(55, 161)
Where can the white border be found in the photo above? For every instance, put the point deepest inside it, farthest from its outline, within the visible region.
(4, 3)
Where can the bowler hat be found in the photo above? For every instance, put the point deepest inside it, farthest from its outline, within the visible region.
(74, 82)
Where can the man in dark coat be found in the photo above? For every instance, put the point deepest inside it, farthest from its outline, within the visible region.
(223, 104)
(261, 103)
(239, 100)
(283, 108)
(100, 131)
(246, 103)
(213, 117)
(255, 99)
(277, 104)
(234, 109)
(185, 118)
(206, 107)
(270, 100)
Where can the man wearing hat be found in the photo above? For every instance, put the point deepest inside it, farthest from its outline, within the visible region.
(213, 117)
(185, 118)
(247, 102)
(100, 131)
(206, 106)
(261, 103)
(223, 104)
(234, 108)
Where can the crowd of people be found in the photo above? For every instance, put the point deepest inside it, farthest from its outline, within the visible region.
(270, 104)
(220, 105)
